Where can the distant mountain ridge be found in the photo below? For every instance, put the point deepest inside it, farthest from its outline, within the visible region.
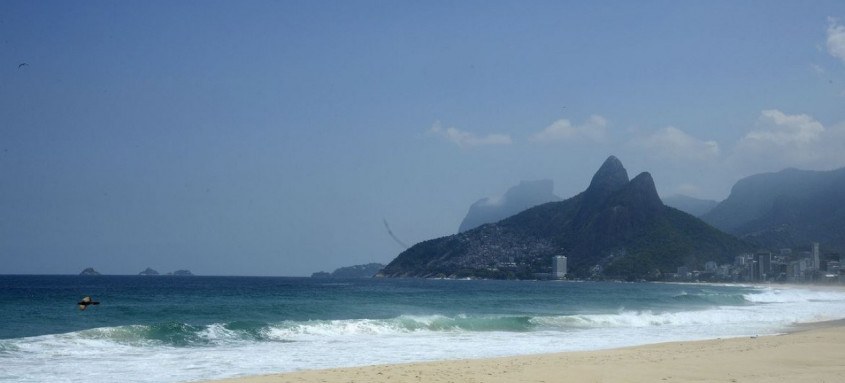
(786, 209)
(518, 198)
(617, 228)
(357, 271)
(690, 205)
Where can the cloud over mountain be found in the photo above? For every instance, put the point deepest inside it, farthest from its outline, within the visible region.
(674, 144)
(783, 140)
(836, 40)
(594, 129)
(466, 139)
(781, 129)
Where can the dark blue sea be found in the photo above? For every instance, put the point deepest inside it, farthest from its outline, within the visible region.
(182, 329)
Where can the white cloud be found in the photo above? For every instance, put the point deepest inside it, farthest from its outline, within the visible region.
(594, 129)
(836, 39)
(781, 129)
(674, 144)
(466, 139)
(494, 201)
(785, 140)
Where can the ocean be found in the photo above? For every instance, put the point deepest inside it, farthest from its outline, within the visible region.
(182, 329)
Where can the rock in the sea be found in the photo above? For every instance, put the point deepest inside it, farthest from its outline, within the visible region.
(148, 271)
(89, 271)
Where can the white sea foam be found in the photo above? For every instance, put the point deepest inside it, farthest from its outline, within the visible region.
(143, 354)
(794, 295)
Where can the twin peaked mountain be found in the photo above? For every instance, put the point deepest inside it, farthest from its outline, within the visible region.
(617, 228)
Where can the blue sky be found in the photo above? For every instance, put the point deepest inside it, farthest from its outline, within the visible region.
(272, 138)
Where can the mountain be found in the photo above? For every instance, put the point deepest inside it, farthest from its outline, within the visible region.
(148, 271)
(181, 273)
(692, 206)
(786, 209)
(518, 198)
(617, 228)
(357, 271)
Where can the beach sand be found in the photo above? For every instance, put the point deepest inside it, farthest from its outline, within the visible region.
(814, 353)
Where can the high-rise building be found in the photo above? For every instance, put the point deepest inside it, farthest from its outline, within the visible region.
(559, 267)
(816, 264)
(752, 271)
(764, 266)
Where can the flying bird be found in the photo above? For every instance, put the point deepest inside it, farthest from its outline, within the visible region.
(21, 65)
(85, 302)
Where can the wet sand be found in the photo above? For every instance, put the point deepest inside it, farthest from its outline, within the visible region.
(811, 353)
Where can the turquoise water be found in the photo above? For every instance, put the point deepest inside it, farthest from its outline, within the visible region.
(192, 328)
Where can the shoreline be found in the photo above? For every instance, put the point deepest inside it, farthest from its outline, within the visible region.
(810, 352)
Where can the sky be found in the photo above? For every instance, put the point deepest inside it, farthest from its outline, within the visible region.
(276, 137)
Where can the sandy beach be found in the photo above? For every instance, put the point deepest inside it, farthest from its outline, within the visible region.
(813, 353)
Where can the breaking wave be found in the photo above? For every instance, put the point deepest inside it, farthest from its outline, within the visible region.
(181, 351)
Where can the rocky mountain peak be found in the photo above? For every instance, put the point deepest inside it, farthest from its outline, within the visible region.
(610, 177)
(617, 228)
(642, 187)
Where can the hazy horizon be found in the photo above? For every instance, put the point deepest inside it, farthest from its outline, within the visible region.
(274, 138)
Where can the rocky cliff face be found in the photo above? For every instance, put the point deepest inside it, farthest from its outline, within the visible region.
(518, 198)
(616, 228)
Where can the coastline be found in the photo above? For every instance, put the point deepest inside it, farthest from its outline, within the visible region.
(810, 352)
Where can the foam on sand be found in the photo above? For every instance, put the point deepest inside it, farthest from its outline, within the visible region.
(808, 356)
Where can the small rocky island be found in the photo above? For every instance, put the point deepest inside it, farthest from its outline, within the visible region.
(89, 271)
(181, 273)
(149, 271)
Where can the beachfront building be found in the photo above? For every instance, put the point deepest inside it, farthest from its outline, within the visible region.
(559, 267)
(751, 272)
(764, 266)
(785, 265)
(833, 267)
